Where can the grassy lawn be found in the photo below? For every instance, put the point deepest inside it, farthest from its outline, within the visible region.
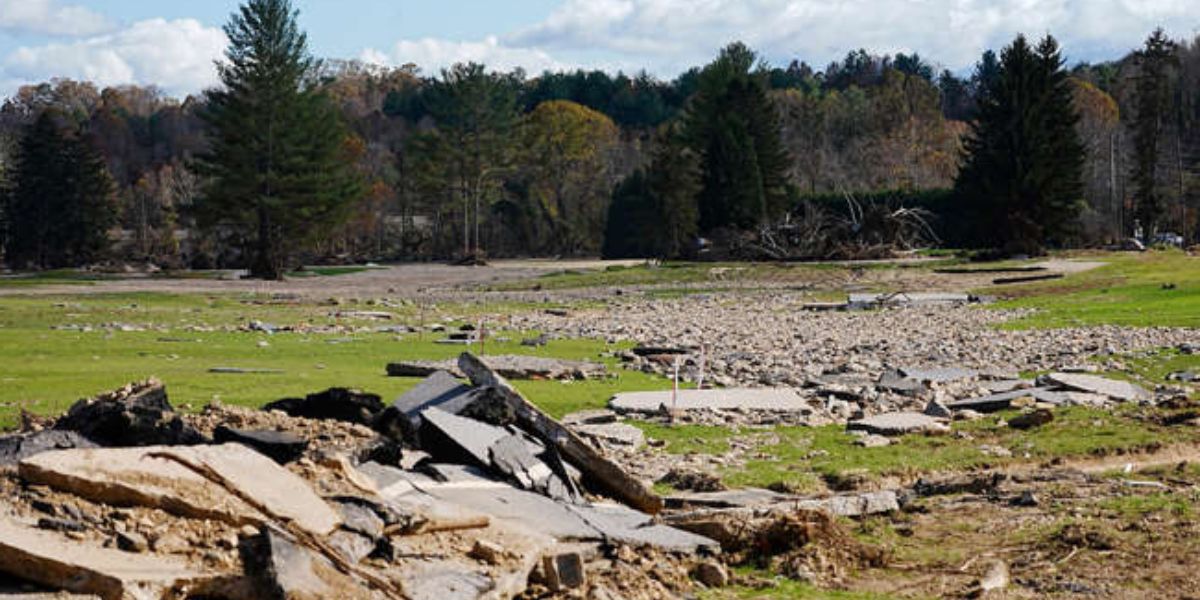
(178, 338)
(810, 459)
(1144, 290)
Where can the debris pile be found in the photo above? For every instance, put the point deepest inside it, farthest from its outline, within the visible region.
(450, 491)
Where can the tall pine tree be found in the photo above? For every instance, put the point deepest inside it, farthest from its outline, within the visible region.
(277, 165)
(1151, 107)
(674, 182)
(734, 127)
(60, 203)
(1023, 157)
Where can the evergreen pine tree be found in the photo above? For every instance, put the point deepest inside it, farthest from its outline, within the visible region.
(674, 182)
(1023, 158)
(630, 228)
(735, 128)
(61, 201)
(277, 168)
(1152, 95)
(1057, 170)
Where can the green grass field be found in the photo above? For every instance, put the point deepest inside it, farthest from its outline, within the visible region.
(46, 368)
(1142, 290)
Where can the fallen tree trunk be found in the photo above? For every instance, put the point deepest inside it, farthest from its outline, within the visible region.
(594, 466)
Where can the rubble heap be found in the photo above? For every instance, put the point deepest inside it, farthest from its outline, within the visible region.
(450, 491)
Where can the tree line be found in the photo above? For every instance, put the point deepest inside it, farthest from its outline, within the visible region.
(293, 160)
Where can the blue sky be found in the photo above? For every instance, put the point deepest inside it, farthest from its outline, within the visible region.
(173, 44)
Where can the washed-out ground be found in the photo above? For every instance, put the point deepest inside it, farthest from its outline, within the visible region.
(1101, 502)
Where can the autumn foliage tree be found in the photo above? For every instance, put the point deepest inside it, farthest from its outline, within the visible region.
(567, 148)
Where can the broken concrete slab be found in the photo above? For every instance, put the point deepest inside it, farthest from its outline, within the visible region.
(1117, 390)
(861, 301)
(938, 374)
(598, 469)
(504, 503)
(1003, 401)
(48, 559)
(618, 434)
(894, 424)
(624, 525)
(767, 399)
(445, 580)
(1009, 385)
(513, 457)
(440, 390)
(742, 498)
(846, 505)
(279, 446)
(599, 416)
(451, 438)
(157, 477)
(285, 570)
(859, 505)
(135, 415)
(338, 404)
(518, 367)
(19, 446)
(894, 381)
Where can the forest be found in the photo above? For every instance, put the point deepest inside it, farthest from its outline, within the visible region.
(471, 163)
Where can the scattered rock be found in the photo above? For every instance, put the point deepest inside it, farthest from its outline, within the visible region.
(938, 410)
(339, 404)
(1122, 391)
(896, 424)
(564, 571)
(488, 552)
(712, 574)
(135, 415)
(693, 481)
(996, 578)
(873, 441)
(1032, 419)
(130, 541)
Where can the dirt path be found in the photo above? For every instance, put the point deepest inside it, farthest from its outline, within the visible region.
(404, 280)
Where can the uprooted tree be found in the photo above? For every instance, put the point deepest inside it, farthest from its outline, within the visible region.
(276, 166)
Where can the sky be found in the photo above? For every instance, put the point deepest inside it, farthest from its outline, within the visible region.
(174, 44)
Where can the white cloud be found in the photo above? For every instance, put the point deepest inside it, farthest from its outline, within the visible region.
(670, 35)
(177, 56)
(432, 55)
(51, 18)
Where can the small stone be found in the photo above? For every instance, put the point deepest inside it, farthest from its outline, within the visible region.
(1027, 499)
(64, 525)
(132, 542)
(873, 441)
(488, 552)
(712, 574)
(996, 578)
(564, 571)
(1031, 420)
(938, 410)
